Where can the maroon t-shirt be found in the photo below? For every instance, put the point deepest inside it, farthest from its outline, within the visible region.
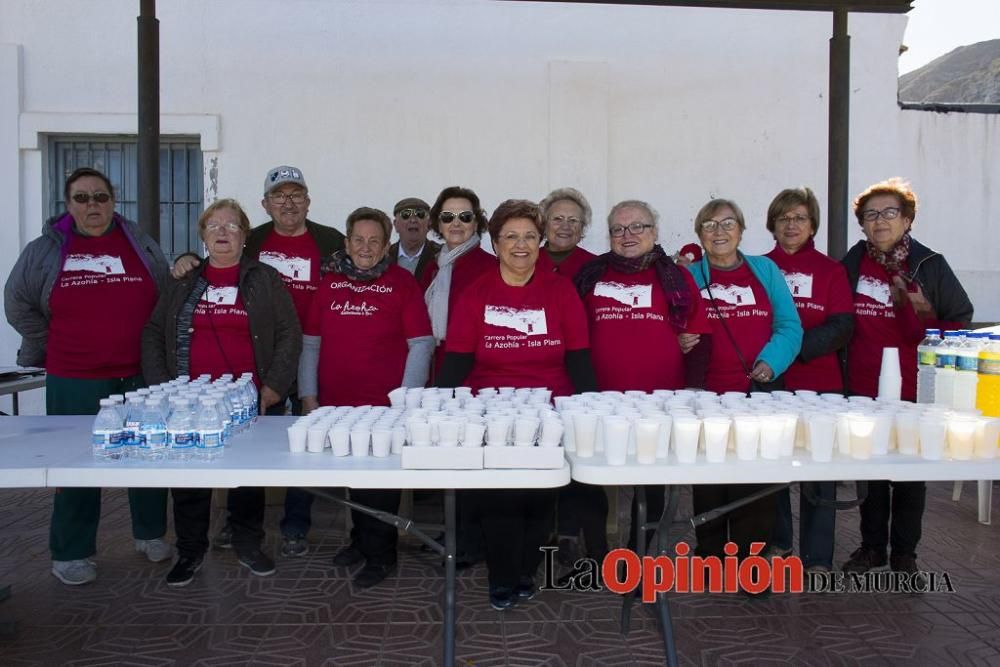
(363, 328)
(221, 340)
(519, 335)
(742, 302)
(819, 287)
(632, 344)
(99, 304)
(570, 265)
(296, 259)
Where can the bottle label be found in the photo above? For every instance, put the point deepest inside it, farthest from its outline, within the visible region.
(155, 439)
(211, 439)
(927, 358)
(967, 363)
(945, 360)
(180, 439)
(106, 439)
(989, 366)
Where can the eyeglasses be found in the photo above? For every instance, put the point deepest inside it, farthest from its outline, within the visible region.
(513, 238)
(871, 215)
(465, 216)
(84, 198)
(635, 229)
(408, 213)
(372, 242)
(294, 197)
(726, 225)
(216, 227)
(560, 220)
(789, 219)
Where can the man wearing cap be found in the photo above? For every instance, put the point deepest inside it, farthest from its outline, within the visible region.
(412, 251)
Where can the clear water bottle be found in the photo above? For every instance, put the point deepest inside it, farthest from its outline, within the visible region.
(967, 372)
(251, 398)
(107, 433)
(153, 432)
(134, 405)
(237, 413)
(180, 431)
(209, 427)
(224, 417)
(988, 390)
(927, 365)
(944, 378)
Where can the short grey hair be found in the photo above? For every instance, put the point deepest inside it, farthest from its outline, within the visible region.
(567, 194)
(635, 203)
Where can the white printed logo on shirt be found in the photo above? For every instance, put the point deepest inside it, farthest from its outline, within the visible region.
(221, 296)
(291, 267)
(877, 290)
(800, 284)
(636, 296)
(103, 264)
(731, 294)
(527, 321)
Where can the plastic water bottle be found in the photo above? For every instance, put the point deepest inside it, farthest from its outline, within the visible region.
(106, 435)
(153, 432)
(209, 427)
(967, 372)
(944, 379)
(988, 390)
(180, 427)
(927, 365)
(224, 417)
(134, 405)
(234, 399)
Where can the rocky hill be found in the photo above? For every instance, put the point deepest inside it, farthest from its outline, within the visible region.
(968, 75)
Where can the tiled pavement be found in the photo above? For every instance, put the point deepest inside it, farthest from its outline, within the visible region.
(309, 613)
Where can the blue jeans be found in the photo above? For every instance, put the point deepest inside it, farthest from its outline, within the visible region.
(816, 525)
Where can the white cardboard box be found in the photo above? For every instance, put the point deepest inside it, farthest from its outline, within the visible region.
(442, 458)
(536, 458)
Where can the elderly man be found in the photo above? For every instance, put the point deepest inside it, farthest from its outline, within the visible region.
(412, 251)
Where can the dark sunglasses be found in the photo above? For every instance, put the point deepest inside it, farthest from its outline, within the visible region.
(84, 198)
(464, 216)
(408, 213)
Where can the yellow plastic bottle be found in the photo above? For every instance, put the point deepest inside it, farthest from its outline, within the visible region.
(988, 390)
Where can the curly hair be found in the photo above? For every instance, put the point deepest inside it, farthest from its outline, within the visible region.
(895, 186)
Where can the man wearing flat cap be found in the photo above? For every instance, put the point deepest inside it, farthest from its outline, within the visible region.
(413, 252)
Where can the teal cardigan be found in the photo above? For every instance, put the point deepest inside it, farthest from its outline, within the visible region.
(786, 328)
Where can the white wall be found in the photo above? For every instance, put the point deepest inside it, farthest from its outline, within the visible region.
(377, 100)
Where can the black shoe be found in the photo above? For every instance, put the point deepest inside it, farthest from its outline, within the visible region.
(525, 589)
(257, 562)
(864, 559)
(224, 538)
(347, 556)
(569, 551)
(502, 598)
(182, 573)
(372, 575)
(908, 565)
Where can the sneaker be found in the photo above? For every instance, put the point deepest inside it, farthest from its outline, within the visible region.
(293, 546)
(347, 556)
(257, 562)
(182, 573)
(74, 572)
(156, 550)
(502, 598)
(372, 575)
(774, 551)
(525, 589)
(224, 538)
(864, 559)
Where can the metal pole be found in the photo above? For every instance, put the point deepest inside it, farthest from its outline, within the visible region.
(839, 139)
(450, 546)
(149, 120)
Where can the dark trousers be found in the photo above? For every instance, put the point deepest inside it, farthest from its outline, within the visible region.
(76, 512)
(816, 524)
(750, 523)
(375, 538)
(654, 508)
(516, 523)
(193, 513)
(906, 508)
(584, 507)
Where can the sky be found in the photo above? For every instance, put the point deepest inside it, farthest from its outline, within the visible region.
(936, 27)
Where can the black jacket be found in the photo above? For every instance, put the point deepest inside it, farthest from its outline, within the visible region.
(328, 239)
(427, 256)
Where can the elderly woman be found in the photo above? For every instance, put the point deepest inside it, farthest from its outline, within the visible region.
(900, 288)
(757, 335)
(819, 288)
(550, 349)
(367, 333)
(79, 296)
(567, 217)
(230, 315)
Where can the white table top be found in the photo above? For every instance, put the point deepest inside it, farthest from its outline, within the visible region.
(258, 457)
(798, 468)
(29, 445)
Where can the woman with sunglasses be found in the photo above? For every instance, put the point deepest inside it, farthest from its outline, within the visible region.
(541, 322)
(230, 315)
(567, 217)
(756, 336)
(79, 296)
(900, 288)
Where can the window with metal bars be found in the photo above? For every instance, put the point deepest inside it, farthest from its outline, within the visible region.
(181, 181)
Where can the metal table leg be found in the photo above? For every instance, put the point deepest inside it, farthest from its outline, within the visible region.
(449, 576)
(640, 549)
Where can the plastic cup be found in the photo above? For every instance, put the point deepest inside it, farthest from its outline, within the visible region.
(585, 433)
(449, 431)
(647, 435)
(822, 430)
(397, 397)
(962, 436)
(316, 438)
(772, 429)
(413, 398)
(381, 442)
(419, 432)
(616, 433)
(890, 387)
(360, 441)
(987, 438)
(297, 435)
(716, 438)
(882, 432)
(907, 432)
(552, 432)
(686, 433)
(862, 427)
(663, 439)
(843, 433)
(340, 440)
(746, 429)
(398, 439)
(890, 362)
(933, 431)
(788, 433)
(498, 430)
(525, 430)
(473, 436)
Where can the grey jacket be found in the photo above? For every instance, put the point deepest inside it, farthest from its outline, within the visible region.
(29, 286)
